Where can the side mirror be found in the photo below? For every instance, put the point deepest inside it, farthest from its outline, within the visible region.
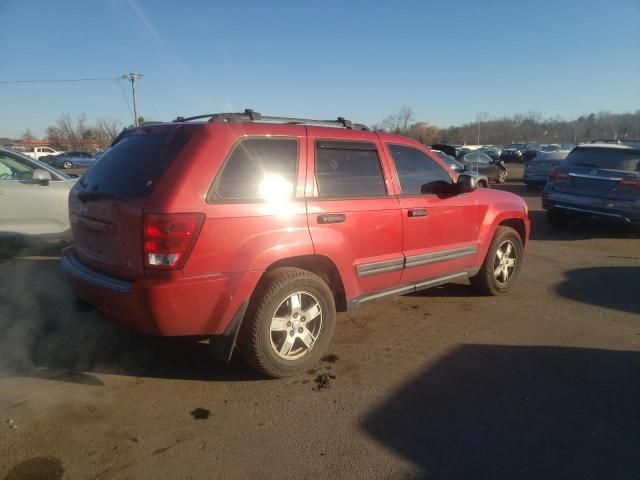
(439, 187)
(466, 183)
(41, 176)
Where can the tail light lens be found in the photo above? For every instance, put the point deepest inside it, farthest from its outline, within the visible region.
(631, 182)
(169, 238)
(556, 174)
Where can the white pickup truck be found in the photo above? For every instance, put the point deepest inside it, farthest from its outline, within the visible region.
(42, 152)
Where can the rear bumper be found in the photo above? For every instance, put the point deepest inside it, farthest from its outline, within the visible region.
(582, 206)
(166, 307)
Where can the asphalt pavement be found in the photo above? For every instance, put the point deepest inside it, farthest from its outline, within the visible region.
(443, 384)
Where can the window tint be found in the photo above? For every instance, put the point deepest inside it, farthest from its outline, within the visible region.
(133, 166)
(606, 158)
(12, 167)
(348, 171)
(477, 157)
(259, 168)
(415, 168)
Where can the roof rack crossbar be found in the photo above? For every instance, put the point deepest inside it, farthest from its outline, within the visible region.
(250, 115)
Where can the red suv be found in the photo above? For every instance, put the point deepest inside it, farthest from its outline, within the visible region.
(254, 231)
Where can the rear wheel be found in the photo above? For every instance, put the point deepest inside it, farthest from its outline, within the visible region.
(502, 264)
(502, 176)
(557, 219)
(289, 324)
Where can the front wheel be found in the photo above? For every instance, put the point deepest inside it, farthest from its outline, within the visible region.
(289, 324)
(67, 164)
(502, 264)
(502, 176)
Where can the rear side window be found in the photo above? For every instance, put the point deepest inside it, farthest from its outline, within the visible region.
(132, 167)
(348, 169)
(259, 169)
(416, 168)
(605, 158)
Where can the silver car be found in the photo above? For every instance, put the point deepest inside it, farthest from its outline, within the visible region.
(536, 170)
(33, 198)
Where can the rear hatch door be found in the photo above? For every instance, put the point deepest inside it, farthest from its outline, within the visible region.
(610, 173)
(106, 205)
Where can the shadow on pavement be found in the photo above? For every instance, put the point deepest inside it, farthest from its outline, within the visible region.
(519, 189)
(503, 412)
(448, 290)
(617, 288)
(43, 336)
(578, 229)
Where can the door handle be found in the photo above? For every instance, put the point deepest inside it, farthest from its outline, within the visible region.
(331, 218)
(418, 212)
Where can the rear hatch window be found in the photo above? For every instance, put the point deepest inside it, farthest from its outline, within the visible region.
(130, 168)
(605, 158)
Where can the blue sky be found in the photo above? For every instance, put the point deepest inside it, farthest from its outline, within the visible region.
(363, 60)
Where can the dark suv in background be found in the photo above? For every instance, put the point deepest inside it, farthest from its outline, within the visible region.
(513, 153)
(601, 181)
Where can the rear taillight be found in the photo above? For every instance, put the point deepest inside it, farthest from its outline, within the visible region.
(169, 238)
(556, 174)
(631, 182)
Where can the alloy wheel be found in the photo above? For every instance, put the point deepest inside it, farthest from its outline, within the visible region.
(505, 262)
(296, 325)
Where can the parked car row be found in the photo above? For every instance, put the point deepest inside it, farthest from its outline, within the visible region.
(524, 152)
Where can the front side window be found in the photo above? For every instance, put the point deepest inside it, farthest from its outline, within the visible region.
(415, 169)
(476, 157)
(348, 169)
(12, 167)
(259, 169)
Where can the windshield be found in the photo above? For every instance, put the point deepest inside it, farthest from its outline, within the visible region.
(605, 158)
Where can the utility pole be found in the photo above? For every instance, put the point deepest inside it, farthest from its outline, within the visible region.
(132, 77)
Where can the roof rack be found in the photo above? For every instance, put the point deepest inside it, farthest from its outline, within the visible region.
(250, 116)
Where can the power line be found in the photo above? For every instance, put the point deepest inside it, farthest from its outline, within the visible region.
(59, 80)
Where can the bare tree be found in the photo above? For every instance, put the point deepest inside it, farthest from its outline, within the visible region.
(107, 129)
(28, 138)
(82, 136)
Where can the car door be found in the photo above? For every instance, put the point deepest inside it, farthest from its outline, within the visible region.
(440, 232)
(29, 207)
(353, 214)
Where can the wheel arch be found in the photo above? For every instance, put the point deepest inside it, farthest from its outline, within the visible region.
(518, 225)
(321, 266)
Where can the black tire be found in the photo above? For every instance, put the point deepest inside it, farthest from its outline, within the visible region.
(532, 186)
(557, 219)
(485, 280)
(255, 339)
(482, 184)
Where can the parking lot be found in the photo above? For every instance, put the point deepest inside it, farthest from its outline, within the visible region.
(542, 383)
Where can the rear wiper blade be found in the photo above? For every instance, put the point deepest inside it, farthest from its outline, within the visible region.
(84, 196)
